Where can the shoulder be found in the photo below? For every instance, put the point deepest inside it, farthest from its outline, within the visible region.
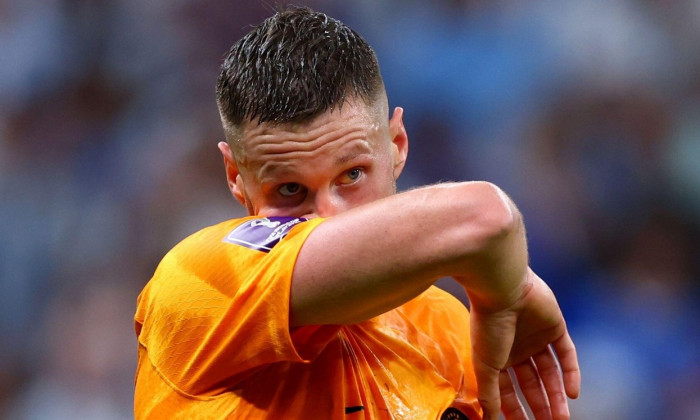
(251, 233)
(217, 262)
(263, 234)
(224, 251)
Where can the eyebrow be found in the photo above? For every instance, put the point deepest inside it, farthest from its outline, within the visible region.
(357, 150)
(278, 169)
(272, 170)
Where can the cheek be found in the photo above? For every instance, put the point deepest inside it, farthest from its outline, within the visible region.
(255, 201)
(388, 178)
(382, 184)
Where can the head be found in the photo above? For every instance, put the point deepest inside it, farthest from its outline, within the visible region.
(305, 115)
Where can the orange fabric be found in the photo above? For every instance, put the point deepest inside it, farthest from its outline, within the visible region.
(214, 342)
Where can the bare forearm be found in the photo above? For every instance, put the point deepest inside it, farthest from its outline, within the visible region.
(375, 257)
(496, 275)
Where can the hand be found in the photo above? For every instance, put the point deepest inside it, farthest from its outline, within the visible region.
(528, 336)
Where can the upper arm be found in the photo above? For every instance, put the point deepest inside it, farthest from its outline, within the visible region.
(375, 257)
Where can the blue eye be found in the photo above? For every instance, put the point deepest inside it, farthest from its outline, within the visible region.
(351, 176)
(289, 189)
(354, 173)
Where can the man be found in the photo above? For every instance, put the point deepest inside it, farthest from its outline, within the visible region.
(320, 305)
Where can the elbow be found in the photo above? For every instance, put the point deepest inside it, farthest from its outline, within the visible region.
(502, 217)
(490, 215)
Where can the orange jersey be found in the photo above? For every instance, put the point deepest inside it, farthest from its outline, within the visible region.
(214, 340)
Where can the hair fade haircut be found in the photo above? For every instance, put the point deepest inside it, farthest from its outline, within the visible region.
(295, 65)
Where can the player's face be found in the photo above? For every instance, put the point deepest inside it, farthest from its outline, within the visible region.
(337, 161)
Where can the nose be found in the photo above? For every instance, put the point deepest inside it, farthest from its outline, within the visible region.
(324, 203)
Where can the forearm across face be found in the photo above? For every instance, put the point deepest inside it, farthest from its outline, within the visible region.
(375, 257)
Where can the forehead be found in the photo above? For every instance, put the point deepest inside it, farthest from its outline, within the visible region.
(355, 121)
(353, 109)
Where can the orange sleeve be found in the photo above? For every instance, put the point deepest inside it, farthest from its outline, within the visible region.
(217, 309)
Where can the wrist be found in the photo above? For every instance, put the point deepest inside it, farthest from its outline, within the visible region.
(503, 298)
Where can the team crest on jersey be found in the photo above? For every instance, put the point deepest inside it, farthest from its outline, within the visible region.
(262, 234)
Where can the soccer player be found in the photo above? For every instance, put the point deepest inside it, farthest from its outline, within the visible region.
(320, 304)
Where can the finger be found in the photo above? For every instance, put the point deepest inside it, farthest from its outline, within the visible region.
(566, 353)
(533, 389)
(487, 378)
(511, 407)
(551, 377)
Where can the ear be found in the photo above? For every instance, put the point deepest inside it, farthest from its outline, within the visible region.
(399, 140)
(233, 174)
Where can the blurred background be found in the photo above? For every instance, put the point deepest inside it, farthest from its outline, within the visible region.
(586, 112)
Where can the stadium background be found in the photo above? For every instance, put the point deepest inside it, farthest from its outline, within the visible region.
(586, 112)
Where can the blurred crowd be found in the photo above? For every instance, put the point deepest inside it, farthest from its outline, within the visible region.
(586, 112)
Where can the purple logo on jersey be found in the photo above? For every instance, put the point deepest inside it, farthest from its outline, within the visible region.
(262, 234)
